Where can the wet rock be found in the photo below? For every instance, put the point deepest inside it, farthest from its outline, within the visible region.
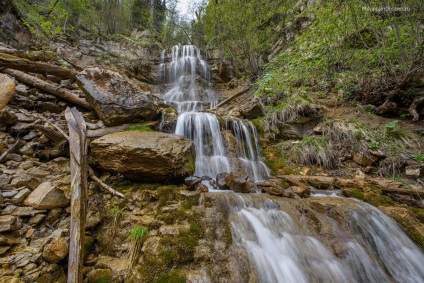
(168, 120)
(253, 109)
(159, 158)
(241, 184)
(7, 90)
(115, 98)
(10, 279)
(274, 191)
(364, 159)
(99, 275)
(303, 192)
(220, 181)
(47, 196)
(56, 250)
(192, 183)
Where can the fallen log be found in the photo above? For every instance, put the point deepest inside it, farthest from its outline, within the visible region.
(243, 91)
(22, 64)
(31, 55)
(92, 134)
(48, 87)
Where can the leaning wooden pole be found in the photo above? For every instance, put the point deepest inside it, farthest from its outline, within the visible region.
(79, 174)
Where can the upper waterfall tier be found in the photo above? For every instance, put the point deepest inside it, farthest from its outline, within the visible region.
(189, 78)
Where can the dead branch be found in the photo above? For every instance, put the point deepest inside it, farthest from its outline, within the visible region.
(48, 87)
(22, 64)
(243, 91)
(9, 150)
(103, 185)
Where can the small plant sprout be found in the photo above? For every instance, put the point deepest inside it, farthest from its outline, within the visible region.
(136, 236)
(116, 214)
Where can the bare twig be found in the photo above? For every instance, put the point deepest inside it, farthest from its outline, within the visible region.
(9, 150)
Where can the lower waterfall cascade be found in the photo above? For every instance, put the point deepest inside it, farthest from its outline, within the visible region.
(282, 248)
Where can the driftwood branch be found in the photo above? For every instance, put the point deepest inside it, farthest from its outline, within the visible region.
(9, 150)
(54, 136)
(103, 185)
(107, 130)
(48, 87)
(243, 91)
(79, 186)
(22, 64)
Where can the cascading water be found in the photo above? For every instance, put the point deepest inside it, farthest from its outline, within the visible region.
(190, 93)
(284, 249)
(354, 243)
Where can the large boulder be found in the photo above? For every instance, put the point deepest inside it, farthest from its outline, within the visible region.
(145, 156)
(115, 98)
(47, 196)
(7, 90)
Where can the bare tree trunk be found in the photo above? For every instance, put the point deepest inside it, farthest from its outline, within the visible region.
(48, 87)
(18, 63)
(78, 154)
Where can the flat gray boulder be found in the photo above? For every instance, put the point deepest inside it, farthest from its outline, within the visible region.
(116, 99)
(145, 156)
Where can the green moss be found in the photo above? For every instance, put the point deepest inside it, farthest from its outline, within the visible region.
(140, 128)
(88, 245)
(274, 160)
(357, 194)
(180, 249)
(228, 237)
(418, 213)
(167, 193)
(258, 124)
(173, 277)
(409, 229)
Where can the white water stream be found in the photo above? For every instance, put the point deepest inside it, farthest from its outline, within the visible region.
(282, 248)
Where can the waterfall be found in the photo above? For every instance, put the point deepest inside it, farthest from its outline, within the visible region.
(284, 249)
(189, 91)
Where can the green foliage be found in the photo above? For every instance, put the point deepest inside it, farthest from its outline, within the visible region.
(137, 233)
(357, 194)
(116, 212)
(51, 19)
(391, 126)
(374, 144)
(419, 157)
